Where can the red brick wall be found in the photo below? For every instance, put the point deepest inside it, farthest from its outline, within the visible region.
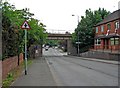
(9, 64)
(118, 31)
(105, 28)
(21, 57)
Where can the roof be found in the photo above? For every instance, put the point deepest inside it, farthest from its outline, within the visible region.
(113, 16)
(108, 36)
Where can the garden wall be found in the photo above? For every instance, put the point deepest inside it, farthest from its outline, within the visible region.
(9, 64)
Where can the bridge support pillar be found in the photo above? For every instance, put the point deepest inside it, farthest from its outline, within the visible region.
(71, 50)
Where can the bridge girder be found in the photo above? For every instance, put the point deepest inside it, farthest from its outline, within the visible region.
(59, 36)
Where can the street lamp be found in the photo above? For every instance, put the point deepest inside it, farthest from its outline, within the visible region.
(78, 33)
(77, 17)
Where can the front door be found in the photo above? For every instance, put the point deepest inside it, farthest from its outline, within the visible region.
(106, 44)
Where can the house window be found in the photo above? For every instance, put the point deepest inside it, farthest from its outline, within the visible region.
(108, 26)
(114, 41)
(96, 29)
(97, 41)
(116, 24)
(102, 28)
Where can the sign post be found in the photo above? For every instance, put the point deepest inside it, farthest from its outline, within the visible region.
(78, 47)
(25, 52)
(25, 26)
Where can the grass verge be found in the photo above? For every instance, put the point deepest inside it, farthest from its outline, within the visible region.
(14, 74)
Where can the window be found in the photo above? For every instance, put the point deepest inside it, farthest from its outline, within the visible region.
(97, 41)
(102, 28)
(108, 26)
(116, 24)
(114, 41)
(96, 29)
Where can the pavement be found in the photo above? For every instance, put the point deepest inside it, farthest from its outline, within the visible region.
(0, 73)
(39, 74)
(99, 60)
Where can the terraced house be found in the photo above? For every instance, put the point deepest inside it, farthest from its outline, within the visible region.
(107, 33)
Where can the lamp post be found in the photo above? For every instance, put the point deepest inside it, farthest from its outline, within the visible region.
(77, 34)
(77, 17)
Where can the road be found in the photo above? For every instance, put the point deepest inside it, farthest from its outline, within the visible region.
(69, 71)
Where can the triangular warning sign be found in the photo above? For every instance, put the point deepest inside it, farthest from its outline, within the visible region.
(25, 25)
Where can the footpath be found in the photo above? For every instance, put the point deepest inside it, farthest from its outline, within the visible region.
(0, 73)
(38, 75)
(99, 60)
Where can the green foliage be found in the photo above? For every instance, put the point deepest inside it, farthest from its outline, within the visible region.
(36, 34)
(8, 80)
(85, 28)
(13, 35)
(52, 42)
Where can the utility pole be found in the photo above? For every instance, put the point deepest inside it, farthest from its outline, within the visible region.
(77, 34)
(78, 43)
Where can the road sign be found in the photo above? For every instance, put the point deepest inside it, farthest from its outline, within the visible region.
(25, 25)
(77, 42)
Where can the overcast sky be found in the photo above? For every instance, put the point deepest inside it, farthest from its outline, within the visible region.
(57, 14)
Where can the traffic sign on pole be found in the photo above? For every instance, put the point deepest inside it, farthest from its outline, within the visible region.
(77, 42)
(25, 26)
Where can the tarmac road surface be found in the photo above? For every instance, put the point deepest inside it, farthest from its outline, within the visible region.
(73, 71)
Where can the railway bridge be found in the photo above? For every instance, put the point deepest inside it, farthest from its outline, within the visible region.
(67, 37)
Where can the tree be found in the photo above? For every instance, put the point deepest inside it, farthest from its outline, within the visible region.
(85, 28)
(13, 35)
(9, 36)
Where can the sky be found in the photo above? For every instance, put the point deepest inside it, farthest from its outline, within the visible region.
(57, 14)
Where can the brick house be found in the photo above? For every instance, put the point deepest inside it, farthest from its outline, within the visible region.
(107, 33)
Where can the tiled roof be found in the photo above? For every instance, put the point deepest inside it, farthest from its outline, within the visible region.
(113, 16)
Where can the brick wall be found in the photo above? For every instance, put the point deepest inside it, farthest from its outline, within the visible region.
(105, 55)
(112, 30)
(9, 64)
(21, 58)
